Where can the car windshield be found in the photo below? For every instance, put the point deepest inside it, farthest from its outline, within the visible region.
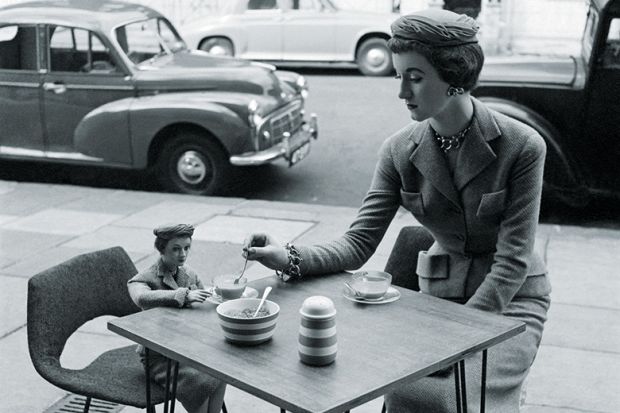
(146, 40)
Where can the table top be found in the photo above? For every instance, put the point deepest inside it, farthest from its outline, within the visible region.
(379, 346)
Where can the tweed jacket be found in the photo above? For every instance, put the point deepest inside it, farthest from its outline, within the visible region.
(157, 286)
(483, 218)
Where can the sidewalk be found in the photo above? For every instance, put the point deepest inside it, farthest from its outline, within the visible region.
(578, 366)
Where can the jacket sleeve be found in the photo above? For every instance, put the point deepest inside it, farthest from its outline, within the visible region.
(517, 230)
(145, 293)
(357, 245)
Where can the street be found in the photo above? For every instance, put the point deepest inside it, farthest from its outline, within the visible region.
(356, 114)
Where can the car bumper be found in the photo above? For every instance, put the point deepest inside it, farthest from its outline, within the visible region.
(293, 148)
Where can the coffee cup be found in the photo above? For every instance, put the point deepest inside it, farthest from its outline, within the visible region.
(225, 287)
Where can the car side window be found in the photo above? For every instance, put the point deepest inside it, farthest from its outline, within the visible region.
(78, 50)
(262, 4)
(611, 53)
(18, 47)
(304, 5)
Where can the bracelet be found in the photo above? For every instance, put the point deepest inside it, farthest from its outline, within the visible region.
(292, 271)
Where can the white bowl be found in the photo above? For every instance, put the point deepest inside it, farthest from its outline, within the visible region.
(243, 330)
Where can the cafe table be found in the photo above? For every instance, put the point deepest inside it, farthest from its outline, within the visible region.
(379, 346)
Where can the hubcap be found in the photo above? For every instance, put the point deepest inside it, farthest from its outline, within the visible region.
(219, 50)
(376, 57)
(191, 168)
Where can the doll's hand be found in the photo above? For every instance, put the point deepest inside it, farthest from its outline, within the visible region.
(197, 296)
(266, 250)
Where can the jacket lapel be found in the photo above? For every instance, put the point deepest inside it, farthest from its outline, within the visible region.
(429, 160)
(166, 276)
(476, 154)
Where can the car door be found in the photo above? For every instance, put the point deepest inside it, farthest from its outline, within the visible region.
(308, 31)
(602, 147)
(262, 24)
(21, 131)
(83, 75)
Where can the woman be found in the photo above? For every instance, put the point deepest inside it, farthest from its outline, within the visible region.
(473, 178)
(169, 282)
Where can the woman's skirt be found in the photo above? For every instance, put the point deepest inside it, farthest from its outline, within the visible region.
(193, 386)
(508, 364)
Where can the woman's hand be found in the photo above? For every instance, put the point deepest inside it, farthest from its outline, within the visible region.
(197, 296)
(266, 250)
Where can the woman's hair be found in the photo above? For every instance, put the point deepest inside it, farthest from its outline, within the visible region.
(164, 234)
(458, 66)
(447, 40)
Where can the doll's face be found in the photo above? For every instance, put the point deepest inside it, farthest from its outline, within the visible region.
(176, 251)
(423, 91)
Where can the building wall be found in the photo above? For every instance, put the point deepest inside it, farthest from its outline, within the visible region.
(507, 26)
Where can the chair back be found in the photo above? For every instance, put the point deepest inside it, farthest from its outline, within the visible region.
(403, 260)
(64, 297)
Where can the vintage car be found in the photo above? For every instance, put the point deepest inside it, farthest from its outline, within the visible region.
(573, 102)
(296, 32)
(110, 83)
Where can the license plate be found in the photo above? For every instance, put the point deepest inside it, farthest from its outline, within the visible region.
(299, 154)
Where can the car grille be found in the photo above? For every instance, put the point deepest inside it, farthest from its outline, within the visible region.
(287, 119)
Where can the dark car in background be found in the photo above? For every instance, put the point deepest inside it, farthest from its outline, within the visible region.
(574, 103)
(110, 83)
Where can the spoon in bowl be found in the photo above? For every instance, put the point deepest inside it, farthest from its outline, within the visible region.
(262, 300)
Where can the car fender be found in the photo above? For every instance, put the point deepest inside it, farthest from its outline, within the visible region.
(561, 173)
(150, 115)
(120, 133)
(236, 33)
(363, 35)
(104, 134)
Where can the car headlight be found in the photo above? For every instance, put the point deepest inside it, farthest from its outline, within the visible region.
(302, 86)
(254, 116)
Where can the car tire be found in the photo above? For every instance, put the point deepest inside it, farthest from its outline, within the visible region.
(374, 58)
(194, 164)
(218, 46)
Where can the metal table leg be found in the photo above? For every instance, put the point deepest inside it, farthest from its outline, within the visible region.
(483, 385)
(457, 387)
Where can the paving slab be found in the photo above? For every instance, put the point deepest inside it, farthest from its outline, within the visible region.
(233, 229)
(62, 222)
(18, 245)
(26, 199)
(131, 239)
(173, 212)
(575, 379)
(113, 202)
(7, 218)
(48, 258)
(583, 328)
(13, 296)
(22, 389)
(7, 186)
(584, 267)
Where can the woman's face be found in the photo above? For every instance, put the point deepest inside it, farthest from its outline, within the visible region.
(423, 91)
(176, 251)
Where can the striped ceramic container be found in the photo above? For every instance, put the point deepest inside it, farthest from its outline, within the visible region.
(238, 328)
(317, 331)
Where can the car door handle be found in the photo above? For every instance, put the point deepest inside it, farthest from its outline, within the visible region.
(57, 88)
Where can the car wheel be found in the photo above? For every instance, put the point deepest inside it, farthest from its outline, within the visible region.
(193, 164)
(374, 58)
(218, 46)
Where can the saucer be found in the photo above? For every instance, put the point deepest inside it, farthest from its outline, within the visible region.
(249, 292)
(391, 295)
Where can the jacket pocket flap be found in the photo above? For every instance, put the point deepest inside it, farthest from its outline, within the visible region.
(412, 201)
(492, 203)
(432, 266)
